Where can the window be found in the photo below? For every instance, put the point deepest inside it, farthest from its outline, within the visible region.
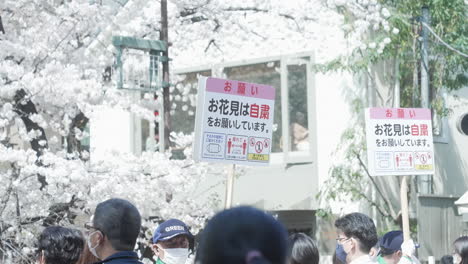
(184, 100)
(263, 73)
(298, 111)
(298, 123)
(462, 124)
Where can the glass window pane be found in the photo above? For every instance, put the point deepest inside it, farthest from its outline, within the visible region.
(184, 102)
(298, 116)
(263, 73)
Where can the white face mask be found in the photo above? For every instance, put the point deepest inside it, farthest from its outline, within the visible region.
(456, 259)
(175, 255)
(90, 246)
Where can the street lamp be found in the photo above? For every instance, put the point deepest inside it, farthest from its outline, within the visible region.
(139, 63)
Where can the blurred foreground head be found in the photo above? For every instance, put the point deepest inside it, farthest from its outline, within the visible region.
(242, 235)
(460, 252)
(60, 245)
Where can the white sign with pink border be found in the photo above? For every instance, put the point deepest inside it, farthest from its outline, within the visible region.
(399, 141)
(234, 122)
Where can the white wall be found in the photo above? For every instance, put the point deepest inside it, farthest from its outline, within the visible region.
(110, 130)
(451, 159)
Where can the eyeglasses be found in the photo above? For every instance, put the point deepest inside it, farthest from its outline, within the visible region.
(89, 226)
(342, 239)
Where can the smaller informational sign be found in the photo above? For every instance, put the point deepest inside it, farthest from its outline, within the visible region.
(399, 141)
(234, 121)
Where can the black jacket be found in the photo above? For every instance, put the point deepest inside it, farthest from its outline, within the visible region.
(122, 257)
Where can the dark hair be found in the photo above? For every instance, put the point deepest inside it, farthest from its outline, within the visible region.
(447, 259)
(302, 249)
(360, 227)
(386, 252)
(461, 248)
(60, 245)
(180, 241)
(242, 235)
(120, 221)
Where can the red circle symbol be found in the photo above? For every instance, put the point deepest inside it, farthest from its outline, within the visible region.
(423, 159)
(259, 147)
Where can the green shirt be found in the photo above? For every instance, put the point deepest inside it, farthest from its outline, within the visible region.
(381, 260)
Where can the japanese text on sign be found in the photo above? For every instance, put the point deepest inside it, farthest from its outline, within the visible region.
(399, 141)
(240, 116)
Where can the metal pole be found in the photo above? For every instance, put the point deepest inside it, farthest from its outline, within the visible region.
(425, 180)
(230, 185)
(404, 179)
(425, 60)
(162, 128)
(396, 95)
(164, 36)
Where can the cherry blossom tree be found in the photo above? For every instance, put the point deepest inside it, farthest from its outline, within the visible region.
(49, 89)
(54, 61)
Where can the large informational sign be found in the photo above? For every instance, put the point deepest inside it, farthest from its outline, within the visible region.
(234, 122)
(399, 141)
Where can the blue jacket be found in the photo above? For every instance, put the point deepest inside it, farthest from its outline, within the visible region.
(122, 257)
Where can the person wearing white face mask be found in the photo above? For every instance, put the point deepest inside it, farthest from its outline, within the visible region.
(113, 231)
(460, 252)
(171, 242)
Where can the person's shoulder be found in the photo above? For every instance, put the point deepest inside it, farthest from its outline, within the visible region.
(366, 259)
(123, 261)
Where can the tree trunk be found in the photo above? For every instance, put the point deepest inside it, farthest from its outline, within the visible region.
(2, 29)
(24, 107)
(73, 144)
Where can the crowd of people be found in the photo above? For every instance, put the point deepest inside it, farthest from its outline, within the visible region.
(240, 235)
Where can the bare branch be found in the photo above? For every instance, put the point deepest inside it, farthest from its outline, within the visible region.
(7, 196)
(387, 202)
(2, 29)
(55, 48)
(212, 41)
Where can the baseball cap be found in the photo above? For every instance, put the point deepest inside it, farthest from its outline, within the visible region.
(392, 241)
(169, 229)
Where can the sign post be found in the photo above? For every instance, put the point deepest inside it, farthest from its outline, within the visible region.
(399, 142)
(230, 185)
(234, 124)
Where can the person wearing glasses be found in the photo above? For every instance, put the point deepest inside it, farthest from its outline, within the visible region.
(356, 236)
(59, 245)
(113, 231)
